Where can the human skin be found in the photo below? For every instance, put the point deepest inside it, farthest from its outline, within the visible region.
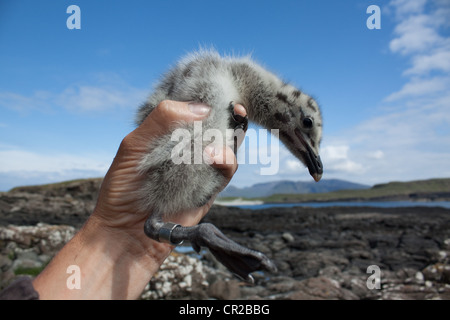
(114, 256)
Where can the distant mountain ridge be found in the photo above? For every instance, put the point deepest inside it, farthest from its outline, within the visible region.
(418, 190)
(290, 187)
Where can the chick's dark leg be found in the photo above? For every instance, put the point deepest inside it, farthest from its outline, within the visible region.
(238, 259)
(239, 124)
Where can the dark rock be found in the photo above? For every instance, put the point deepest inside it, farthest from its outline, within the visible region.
(225, 289)
(320, 288)
(320, 253)
(438, 272)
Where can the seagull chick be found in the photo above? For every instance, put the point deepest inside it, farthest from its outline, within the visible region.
(172, 187)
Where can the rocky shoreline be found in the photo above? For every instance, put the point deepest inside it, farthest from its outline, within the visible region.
(334, 246)
(321, 253)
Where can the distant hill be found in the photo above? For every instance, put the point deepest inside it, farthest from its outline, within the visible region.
(290, 187)
(80, 188)
(278, 191)
(420, 190)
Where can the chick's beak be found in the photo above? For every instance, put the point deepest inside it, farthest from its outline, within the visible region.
(315, 170)
(312, 160)
(314, 164)
(317, 177)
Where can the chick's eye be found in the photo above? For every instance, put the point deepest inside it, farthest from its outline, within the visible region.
(307, 122)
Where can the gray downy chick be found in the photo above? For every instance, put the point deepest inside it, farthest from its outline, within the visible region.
(220, 82)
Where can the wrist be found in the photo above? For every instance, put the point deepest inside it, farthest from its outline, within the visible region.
(128, 241)
(111, 264)
(132, 257)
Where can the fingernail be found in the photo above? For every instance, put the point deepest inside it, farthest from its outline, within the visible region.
(212, 151)
(199, 109)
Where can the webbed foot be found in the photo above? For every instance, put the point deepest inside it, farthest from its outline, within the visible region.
(238, 259)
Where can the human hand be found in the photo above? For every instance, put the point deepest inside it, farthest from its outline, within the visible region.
(114, 256)
(117, 206)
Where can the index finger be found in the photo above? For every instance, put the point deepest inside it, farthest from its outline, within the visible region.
(162, 119)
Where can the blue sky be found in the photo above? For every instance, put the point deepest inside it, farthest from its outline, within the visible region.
(68, 97)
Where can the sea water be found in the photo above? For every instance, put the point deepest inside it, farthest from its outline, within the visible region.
(377, 204)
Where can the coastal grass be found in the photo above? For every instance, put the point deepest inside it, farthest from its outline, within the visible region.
(51, 186)
(391, 190)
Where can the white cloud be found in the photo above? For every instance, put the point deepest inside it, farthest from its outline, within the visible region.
(337, 158)
(378, 154)
(420, 87)
(21, 167)
(415, 34)
(22, 160)
(21, 103)
(438, 60)
(92, 98)
(421, 105)
(405, 7)
(294, 165)
(104, 95)
(409, 140)
(335, 153)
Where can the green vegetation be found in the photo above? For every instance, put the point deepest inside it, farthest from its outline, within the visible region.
(33, 271)
(52, 186)
(423, 189)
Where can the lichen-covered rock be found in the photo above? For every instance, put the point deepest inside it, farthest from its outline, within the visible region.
(45, 237)
(180, 276)
(28, 249)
